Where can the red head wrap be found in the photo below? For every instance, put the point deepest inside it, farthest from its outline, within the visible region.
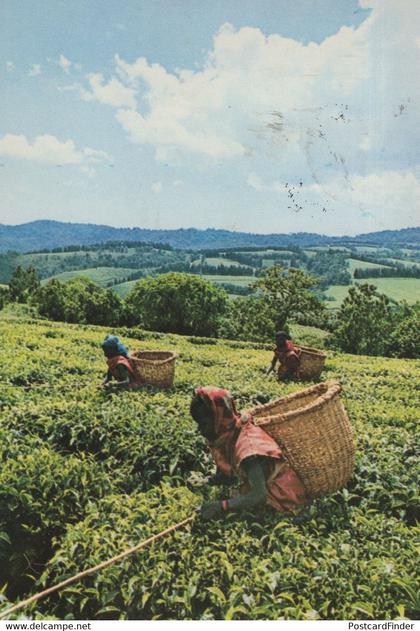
(221, 402)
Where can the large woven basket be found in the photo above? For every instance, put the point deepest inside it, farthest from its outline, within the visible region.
(314, 432)
(155, 368)
(311, 363)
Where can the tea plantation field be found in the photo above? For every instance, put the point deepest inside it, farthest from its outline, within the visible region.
(396, 288)
(86, 475)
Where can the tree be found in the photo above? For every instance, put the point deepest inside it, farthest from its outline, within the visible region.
(364, 322)
(248, 318)
(79, 301)
(178, 303)
(50, 300)
(23, 284)
(404, 340)
(4, 296)
(288, 295)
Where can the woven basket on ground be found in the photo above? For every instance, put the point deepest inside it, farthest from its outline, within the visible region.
(311, 363)
(314, 432)
(155, 368)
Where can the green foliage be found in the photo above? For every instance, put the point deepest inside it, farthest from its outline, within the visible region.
(40, 492)
(86, 475)
(248, 318)
(287, 296)
(364, 322)
(404, 340)
(178, 303)
(331, 266)
(4, 296)
(23, 284)
(281, 299)
(79, 301)
(368, 323)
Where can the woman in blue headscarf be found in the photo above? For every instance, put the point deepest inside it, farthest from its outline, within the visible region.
(119, 366)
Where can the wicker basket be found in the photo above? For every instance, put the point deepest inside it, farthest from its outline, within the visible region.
(311, 363)
(155, 368)
(314, 432)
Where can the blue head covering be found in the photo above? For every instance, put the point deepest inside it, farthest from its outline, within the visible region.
(112, 346)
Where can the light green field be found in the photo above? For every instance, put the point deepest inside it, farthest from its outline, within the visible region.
(369, 249)
(90, 473)
(122, 289)
(396, 288)
(267, 251)
(403, 262)
(323, 248)
(354, 264)
(222, 261)
(99, 275)
(241, 281)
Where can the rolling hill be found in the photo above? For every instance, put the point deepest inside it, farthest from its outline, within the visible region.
(37, 235)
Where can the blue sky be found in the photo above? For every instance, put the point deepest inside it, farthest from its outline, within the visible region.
(268, 116)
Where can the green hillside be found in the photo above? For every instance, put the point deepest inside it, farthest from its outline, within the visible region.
(241, 281)
(354, 264)
(100, 275)
(396, 288)
(90, 474)
(122, 289)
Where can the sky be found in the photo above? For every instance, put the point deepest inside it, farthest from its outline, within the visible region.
(252, 115)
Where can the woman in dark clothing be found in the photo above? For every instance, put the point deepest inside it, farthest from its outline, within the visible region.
(243, 450)
(288, 356)
(119, 366)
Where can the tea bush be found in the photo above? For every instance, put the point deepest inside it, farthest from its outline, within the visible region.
(89, 474)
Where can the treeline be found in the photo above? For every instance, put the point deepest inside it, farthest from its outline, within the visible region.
(226, 252)
(367, 322)
(176, 302)
(117, 246)
(332, 268)
(223, 270)
(378, 259)
(388, 272)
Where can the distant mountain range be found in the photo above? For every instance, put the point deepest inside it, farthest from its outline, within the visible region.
(46, 234)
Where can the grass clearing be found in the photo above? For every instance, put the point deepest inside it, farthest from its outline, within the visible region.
(354, 264)
(396, 288)
(102, 276)
(241, 281)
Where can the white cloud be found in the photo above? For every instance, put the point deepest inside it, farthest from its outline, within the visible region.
(64, 63)
(351, 84)
(366, 143)
(112, 93)
(48, 149)
(178, 183)
(35, 70)
(10, 66)
(255, 182)
(156, 187)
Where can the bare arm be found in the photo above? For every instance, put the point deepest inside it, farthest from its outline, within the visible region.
(256, 496)
(273, 364)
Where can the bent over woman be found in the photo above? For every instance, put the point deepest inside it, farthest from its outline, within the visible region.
(243, 450)
(119, 366)
(288, 356)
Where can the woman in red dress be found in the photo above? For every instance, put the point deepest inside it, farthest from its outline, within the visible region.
(288, 356)
(119, 366)
(244, 450)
